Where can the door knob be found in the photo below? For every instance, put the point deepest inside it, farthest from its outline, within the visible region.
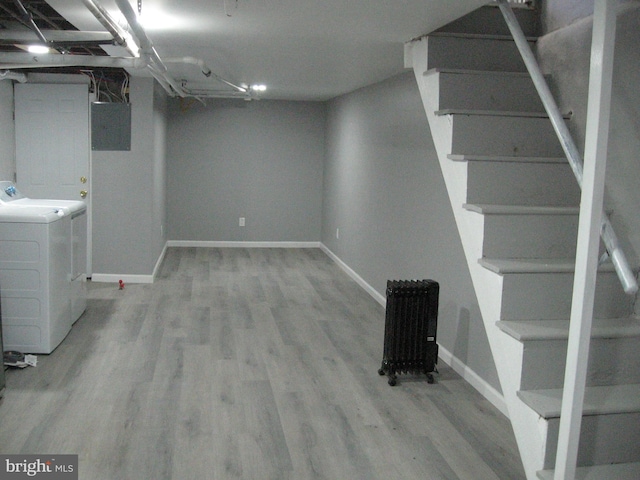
(83, 179)
(83, 193)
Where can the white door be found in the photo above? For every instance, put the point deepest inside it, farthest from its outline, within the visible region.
(52, 144)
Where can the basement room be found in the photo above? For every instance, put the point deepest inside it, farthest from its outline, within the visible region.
(290, 239)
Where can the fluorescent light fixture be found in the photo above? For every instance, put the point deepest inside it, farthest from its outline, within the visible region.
(259, 88)
(38, 49)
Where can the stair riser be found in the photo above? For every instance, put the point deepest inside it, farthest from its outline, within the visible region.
(504, 135)
(505, 183)
(496, 92)
(612, 361)
(604, 439)
(530, 236)
(547, 296)
(473, 54)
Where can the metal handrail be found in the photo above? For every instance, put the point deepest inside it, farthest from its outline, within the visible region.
(610, 240)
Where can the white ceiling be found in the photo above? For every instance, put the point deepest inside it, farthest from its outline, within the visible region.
(300, 49)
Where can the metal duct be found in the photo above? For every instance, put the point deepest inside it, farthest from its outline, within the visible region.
(9, 75)
(16, 61)
(55, 36)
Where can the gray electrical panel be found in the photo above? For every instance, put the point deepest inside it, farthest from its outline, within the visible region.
(110, 126)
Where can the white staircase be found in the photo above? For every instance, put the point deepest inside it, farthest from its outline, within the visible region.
(516, 200)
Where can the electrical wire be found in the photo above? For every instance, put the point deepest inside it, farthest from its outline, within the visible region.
(111, 87)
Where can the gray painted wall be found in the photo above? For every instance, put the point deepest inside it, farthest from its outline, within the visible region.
(128, 189)
(565, 54)
(7, 132)
(384, 191)
(258, 160)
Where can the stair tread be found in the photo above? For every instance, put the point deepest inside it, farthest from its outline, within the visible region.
(492, 209)
(534, 265)
(617, 471)
(490, 113)
(494, 113)
(479, 36)
(465, 71)
(502, 158)
(529, 330)
(601, 400)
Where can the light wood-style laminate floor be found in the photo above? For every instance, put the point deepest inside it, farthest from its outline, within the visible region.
(246, 364)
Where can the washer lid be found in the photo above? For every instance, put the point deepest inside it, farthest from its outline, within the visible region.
(29, 214)
(67, 206)
(10, 195)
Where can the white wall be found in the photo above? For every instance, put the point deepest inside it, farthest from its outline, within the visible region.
(385, 193)
(261, 160)
(7, 132)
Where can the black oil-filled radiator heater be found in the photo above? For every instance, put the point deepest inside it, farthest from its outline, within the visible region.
(411, 320)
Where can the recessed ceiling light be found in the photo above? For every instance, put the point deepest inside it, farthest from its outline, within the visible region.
(38, 49)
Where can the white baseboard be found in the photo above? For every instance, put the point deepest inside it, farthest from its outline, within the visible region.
(110, 277)
(115, 278)
(233, 244)
(485, 389)
(471, 377)
(381, 299)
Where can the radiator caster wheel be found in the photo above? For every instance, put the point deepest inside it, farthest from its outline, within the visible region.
(392, 381)
(380, 371)
(430, 378)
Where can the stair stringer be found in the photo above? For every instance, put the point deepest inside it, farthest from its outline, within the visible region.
(529, 428)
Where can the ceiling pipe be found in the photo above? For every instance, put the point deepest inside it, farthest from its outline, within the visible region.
(9, 75)
(148, 59)
(218, 94)
(105, 19)
(148, 51)
(146, 46)
(28, 18)
(176, 88)
(206, 71)
(55, 36)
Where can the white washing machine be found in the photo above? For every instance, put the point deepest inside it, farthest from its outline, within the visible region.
(77, 210)
(35, 286)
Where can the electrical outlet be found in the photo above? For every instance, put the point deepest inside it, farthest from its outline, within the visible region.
(241, 221)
